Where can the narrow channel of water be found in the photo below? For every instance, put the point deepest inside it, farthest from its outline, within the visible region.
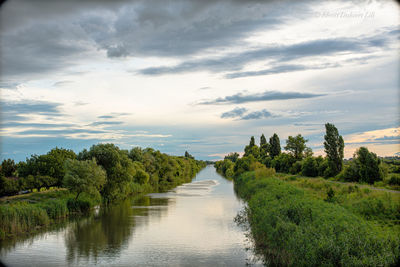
(191, 225)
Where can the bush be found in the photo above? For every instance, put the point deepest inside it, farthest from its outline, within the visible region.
(394, 179)
(296, 167)
(309, 167)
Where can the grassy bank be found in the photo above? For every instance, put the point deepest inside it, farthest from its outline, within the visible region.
(27, 214)
(378, 206)
(292, 226)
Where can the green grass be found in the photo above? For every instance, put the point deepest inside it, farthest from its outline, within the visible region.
(373, 205)
(304, 227)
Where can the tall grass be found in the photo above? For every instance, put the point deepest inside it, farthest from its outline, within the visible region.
(25, 216)
(291, 228)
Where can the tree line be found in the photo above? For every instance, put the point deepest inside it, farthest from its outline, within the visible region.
(104, 170)
(365, 166)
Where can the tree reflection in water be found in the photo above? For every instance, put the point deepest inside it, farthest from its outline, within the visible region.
(107, 233)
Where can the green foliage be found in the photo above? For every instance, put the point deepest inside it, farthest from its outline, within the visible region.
(187, 155)
(296, 146)
(243, 164)
(309, 167)
(274, 146)
(283, 162)
(290, 228)
(334, 149)
(8, 167)
(118, 166)
(394, 179)
(50, 164)
(232, 157)
(84, 176)
(365, 167)
(296, 167)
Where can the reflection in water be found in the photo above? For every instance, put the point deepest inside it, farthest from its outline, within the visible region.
(190, 225)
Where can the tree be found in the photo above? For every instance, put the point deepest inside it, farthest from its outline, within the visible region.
(274, 146)
(232, 157)
(187, 155)
(8, 167)
(252, 149)
(83, 176)
(296, 146)
(252, 142)
(366, 166)
(263, 140)
(118, 166)
(334, 147)
(136, 154)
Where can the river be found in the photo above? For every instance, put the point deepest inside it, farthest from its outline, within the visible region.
(191, 225)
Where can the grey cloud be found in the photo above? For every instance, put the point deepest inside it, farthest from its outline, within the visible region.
(106, 117)
(97, 123)
(9, 84)
(281, 53)
(243, 114)
(38, 125)
(257, 115)
(58, 132)
(47, 36)
(278, 69)
(62, 83)
(11, 110)
(265, 96)
(237, 112)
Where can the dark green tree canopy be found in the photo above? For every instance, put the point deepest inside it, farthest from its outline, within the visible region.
(8, 167)
(232, 156)
(263, 140)
(334, 149)
(84, 176)
(296, 146)
(274, 146)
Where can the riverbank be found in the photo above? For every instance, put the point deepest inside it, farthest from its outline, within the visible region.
(27, 214)
(315, 225)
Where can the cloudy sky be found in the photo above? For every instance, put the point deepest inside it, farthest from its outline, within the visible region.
(201, 76)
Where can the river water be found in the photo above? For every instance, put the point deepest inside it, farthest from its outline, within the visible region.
(191, 225)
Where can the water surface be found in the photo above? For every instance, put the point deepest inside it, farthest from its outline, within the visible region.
(191, 225)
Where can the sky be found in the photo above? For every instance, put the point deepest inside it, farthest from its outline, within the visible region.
(201, 76)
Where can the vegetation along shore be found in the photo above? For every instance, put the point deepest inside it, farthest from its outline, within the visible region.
(61, 183)
(304, 210)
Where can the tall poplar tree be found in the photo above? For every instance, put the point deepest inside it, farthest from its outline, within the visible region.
(334, 149)
(275, 146)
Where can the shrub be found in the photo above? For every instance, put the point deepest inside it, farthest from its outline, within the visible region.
(309, 167)
(394, 179)
(296, 167)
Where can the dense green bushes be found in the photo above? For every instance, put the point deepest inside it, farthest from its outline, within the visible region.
(291, 228)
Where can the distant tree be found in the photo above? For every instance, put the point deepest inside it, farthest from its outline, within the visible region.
(136, 154)
(252, 142)
(84, 176)
(232, 157)
(334, 148)
(252, 149)
(118, 166)
(263, 140)
(296, 146)
(8, 167)
(187, 155)
(274, 146)
(366, 165)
